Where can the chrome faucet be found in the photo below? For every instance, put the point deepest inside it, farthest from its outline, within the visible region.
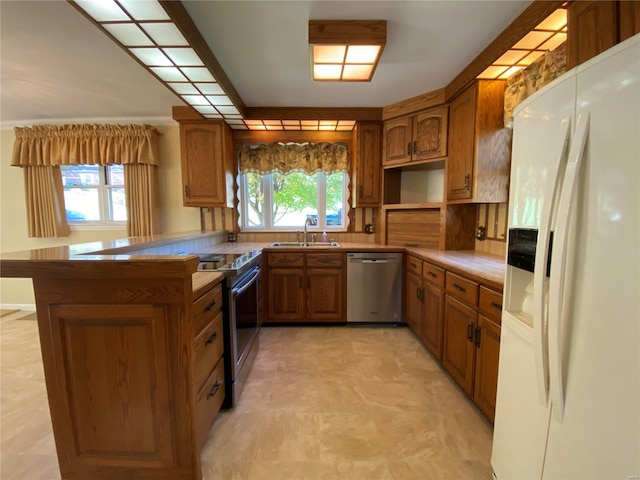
(306, 224)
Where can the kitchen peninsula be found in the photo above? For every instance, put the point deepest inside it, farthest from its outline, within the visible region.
(121, 326)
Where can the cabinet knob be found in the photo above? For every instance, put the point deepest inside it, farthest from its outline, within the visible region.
(415, 147)
(467, 181)
(409, 148)
(187, 191)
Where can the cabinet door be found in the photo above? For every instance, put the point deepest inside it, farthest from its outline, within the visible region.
(596, 24)
(204, 165)
(458, 348)
(325, 294)
(487, 340)
(397, 141)
(430, 134)
(462, 113)
(286, 294)
(368, 165)
(413, 304)
(629, 19)
(432, 320)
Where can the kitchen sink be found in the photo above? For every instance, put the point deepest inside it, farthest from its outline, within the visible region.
(305, 245)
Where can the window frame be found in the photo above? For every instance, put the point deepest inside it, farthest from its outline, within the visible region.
(105, 210)
(268, 202)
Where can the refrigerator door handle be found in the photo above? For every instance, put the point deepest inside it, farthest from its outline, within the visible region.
(559, 265)
(540, 328)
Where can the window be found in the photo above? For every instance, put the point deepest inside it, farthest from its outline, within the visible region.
(94, 194)
(284, 201)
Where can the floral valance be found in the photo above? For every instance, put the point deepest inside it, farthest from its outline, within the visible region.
(310, 158)
(526, 82)
(85, 144)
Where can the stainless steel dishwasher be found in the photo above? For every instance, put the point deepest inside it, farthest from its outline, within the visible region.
(374, 287)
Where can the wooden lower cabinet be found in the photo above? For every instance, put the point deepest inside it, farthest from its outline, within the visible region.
(487, 338)
(133, 362)
(458, 321)
(458, 354)
(424, 304)
(286, 295)
(325, 298)
(432, 323)
(306, 287)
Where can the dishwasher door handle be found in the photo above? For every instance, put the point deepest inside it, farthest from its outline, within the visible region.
(374, 260)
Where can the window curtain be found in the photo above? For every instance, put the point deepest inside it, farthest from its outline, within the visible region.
(309, 158)
(43, 148)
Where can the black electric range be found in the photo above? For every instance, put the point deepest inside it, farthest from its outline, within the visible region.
(233, 265)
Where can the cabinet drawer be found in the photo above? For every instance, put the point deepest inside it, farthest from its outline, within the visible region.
(414, 265)
(325, 259)
(462, 289)
(209, 401)
(490, 304)
(433, 274)
(285, 259)
(206, 308)
(208, 350)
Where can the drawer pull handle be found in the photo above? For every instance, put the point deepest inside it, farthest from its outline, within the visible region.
(324, 260)
(409, 148)
(414, 265)
(431, 274)
(214, 390)
(478, 330)
(211, 339)
(288, 260)
(470, 332)
(211, 306)
(458, 287)
(497, 306)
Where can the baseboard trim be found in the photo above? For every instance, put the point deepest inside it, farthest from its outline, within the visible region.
(28, 307)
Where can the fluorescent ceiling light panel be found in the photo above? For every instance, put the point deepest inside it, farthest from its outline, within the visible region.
(357, 72)
(210, 88)
(327, 72)
(128, 34)
(533, 39)
(219, 100)
(169, 74)
(183, 57)
(228, 110)
(206, 110)
(198, 74)
(103, 10)
(556, 21)
(554, 42)
(165, 34)
(184, 88)
(152, 57)
(329, 53)
(195, 99)
(362, 53)
(144, 9)
(346, 50)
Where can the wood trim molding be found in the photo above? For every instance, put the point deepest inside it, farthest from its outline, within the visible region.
(414, 104)
(355, 32)
(186, 113)
(313, 113)
(526, 21)
(187, 27)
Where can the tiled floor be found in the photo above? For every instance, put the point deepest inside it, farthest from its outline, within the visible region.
(320, 403)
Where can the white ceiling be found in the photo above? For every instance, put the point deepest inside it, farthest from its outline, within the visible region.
(56, 66)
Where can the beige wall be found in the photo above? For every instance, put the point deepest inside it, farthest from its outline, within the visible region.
(13, 225)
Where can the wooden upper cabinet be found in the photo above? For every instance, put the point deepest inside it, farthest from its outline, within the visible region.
(596, 27)
(368, 168)
(416, 138)
(479, 145)
(397, 141)
(207, 164)
(430, 134)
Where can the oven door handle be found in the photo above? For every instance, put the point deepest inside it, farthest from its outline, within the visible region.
(246, 283)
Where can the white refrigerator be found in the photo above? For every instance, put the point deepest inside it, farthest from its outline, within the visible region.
(568, 401)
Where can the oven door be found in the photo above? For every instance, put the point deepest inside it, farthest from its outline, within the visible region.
(243, 318)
